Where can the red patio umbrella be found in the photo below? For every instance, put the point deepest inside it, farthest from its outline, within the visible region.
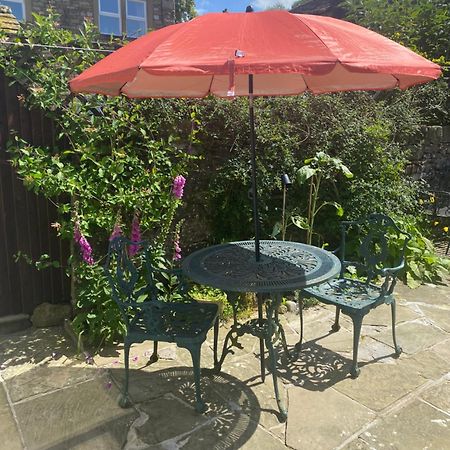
(264, 53)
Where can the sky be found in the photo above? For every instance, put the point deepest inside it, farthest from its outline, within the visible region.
(205, 6)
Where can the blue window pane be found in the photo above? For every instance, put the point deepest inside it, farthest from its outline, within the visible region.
(110, 25)
(136, 9)
(110, 6)
(16, 8)
(136, 28)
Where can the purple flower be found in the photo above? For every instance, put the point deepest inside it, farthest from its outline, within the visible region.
(108, 385)
(135, 235)
(177, 250)
(116, 232)
(86, 251)
(178, 186)
(85, 248)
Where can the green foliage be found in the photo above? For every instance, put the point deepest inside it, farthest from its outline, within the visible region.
(422, 25)
(184, 10)
(111, 157)
(98, 318)
(423, 264)
(320, 167)
(373, 134)
(205, 293)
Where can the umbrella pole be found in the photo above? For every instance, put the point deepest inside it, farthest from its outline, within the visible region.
(252, 143)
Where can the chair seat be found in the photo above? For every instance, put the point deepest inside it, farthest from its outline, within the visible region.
(188, 322)
(348, 293)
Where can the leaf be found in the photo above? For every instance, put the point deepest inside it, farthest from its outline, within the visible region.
(300, 222)
(346, 171)
(276, 230)
(305, 173)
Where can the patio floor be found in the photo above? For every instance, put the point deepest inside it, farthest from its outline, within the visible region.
(51, 399)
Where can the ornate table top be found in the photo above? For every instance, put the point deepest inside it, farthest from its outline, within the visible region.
(284, 266)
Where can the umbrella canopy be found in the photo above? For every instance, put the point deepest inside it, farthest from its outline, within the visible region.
(286, 53)
(247, 54)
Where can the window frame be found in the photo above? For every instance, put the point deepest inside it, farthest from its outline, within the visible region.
(117, 15)
(24, 9)
(127, 16)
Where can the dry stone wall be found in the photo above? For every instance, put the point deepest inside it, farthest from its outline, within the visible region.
(431, 161)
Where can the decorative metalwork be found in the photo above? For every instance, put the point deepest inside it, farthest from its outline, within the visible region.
(149, 316)
(283, 267)
(356, 298)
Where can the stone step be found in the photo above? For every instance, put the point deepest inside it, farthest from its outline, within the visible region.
(12, 323)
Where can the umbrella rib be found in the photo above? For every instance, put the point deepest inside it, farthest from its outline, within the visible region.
(321, 40)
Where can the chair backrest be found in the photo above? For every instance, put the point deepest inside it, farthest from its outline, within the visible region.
(130, 278)
(376, 246)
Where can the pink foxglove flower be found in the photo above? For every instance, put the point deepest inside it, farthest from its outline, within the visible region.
(135, 235)
(86, 251)
(177, 250)
(85, 248)
(116, 232)
(178, 186)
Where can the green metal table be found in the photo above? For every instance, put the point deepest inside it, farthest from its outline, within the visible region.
(283, 267)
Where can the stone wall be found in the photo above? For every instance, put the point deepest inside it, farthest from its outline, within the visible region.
(72, 12)
(163, 12)
(431, 161)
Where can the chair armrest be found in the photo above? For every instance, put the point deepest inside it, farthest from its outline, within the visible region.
(392, 270)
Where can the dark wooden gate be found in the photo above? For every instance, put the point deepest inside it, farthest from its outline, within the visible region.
(25, 219)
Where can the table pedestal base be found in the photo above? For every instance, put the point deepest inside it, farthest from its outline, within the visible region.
(268, 330)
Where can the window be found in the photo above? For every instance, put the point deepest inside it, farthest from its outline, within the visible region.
(109, 17)
(136, 18)
(17, 7)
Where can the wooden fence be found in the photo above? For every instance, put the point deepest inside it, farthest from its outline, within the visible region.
(25, 219)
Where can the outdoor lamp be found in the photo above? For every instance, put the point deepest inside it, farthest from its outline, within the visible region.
(285, 180)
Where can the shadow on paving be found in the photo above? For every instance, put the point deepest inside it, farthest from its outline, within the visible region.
(34, 346)
(76, 407)
(317, 368)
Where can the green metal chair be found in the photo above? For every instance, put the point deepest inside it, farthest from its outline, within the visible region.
(380, 248)
(143, 295)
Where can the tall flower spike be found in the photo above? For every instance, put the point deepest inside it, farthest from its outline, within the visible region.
(178, 186)
(76, 232)
(177, 250)
(86, 251)
(117, 231)
(135, 235)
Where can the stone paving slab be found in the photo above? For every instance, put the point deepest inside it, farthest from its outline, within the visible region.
(79, 416)
(379, 385)
(60, 402)
(10, 438)
(414, 336)
(323, 420)
(439, 316)
(416, 426)
(439, 396)
(44, 378)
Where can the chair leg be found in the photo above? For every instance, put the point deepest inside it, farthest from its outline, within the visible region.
(336, 327)
(216, 341)
(195, 354)
(357, 323)
(398, 349)
(124, 400)
(298, 345)
(154, 356)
